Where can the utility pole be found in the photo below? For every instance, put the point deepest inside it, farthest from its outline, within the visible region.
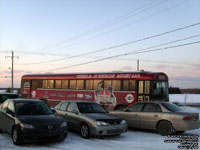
(12, 70)
(138, 65)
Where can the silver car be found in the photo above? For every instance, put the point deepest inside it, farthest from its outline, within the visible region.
(90, 118)
(164, 117)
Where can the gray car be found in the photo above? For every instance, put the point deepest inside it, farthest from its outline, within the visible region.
(164, 117)
(90, 118)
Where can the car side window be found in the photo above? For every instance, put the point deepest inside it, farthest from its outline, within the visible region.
(150, 107)
(71, 107)
(63, 106)
(5, 106)
(11, 106)
(135, 107)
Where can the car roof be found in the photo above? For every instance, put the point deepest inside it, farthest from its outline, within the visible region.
(5, 93)
(25, 100)
(156, 102)
(78, 101)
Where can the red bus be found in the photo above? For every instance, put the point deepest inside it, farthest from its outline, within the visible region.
(113, 90)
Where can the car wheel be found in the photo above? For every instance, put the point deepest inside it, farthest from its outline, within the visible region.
(62, 138)
(16, 136)
(165, 128)
(85, 131)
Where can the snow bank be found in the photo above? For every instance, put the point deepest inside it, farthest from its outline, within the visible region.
(185, 98)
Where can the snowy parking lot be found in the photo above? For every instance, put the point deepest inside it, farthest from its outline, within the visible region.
(131, 140)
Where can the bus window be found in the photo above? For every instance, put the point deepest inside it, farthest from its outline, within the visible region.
(116, 84)
(132, 84)
(64, 84)
(98, 84)
(125, 85)
(107, 84)
(50, 84)
(147, 87)
(80, 84)
(34, 84)
(44, 83)
(72, 84)
(89, 84)
(58, 84)
(141, 84)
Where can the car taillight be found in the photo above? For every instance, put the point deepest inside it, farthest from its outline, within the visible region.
(194, 117)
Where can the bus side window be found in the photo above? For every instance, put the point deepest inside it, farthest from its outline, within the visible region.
(80, 84)
(72, 84)
(89, 84)
(65, 84)
(58, 84)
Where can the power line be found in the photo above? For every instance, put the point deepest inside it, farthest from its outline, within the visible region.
(116, 29)
(110, 23)
(117, 46)
(125, 54)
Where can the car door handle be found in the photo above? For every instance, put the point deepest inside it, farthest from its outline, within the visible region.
(155, 115)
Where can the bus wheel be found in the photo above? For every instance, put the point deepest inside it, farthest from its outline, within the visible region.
(120, 107)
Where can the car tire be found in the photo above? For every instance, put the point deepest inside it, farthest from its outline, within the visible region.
(16, 136)
(62, 138)
(85, 131)
(165, 128)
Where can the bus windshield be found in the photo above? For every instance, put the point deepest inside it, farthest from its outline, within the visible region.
(160, 90)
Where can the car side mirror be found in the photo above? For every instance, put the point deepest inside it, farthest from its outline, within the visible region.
(53, 110)
(10, 112)
(75, 112)
(126, 109)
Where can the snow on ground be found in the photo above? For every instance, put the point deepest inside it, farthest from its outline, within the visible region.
(132, 140)
(185, 98)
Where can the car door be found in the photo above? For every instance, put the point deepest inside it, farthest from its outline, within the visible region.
(61, 110)
(150, 115)
(73, 115)
(132, 115)
(9, 117)
(3, 115)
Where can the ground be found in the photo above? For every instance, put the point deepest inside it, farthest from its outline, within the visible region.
(132, 140)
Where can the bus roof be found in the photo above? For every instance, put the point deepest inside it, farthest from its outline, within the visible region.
(99, 75)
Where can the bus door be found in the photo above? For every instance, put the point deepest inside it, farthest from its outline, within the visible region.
(34, 85)
(25, 88)
(143, 90)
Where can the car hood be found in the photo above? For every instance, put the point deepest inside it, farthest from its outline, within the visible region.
(40, 120)
(102, 117)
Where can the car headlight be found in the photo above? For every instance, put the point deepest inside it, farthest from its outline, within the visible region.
(101, 123)
(123, 122)
(27, 126)
(64, 124)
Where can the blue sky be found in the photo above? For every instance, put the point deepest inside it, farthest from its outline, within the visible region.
(45, 30)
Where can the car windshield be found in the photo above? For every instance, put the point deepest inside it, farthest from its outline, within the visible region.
(171, 107)
(90, 108)
(32, 108)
